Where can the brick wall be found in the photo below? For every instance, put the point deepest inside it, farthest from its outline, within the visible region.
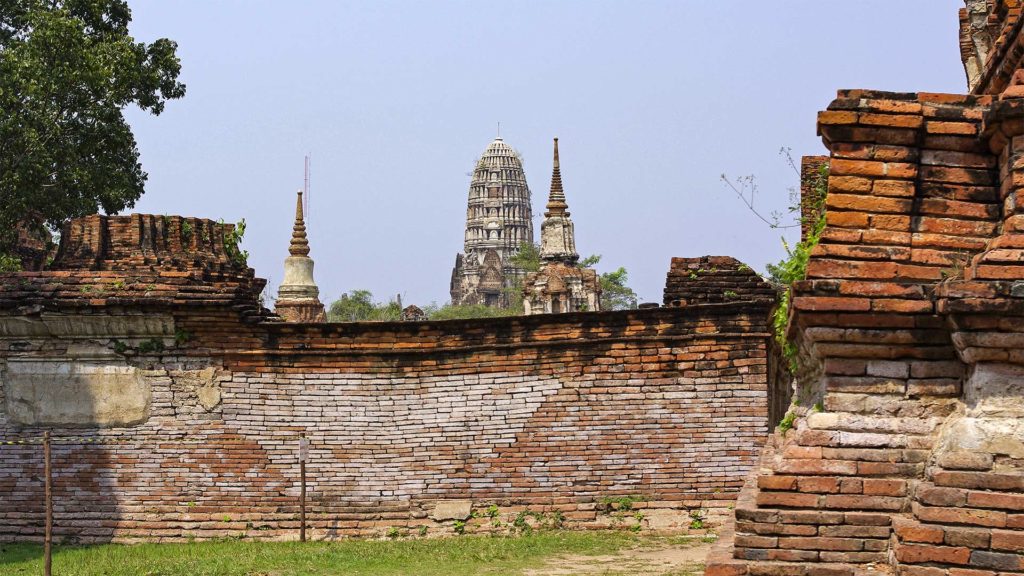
(714, 279)
(904, 456)
(409, 423)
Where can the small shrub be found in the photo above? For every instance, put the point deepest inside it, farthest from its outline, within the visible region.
(182, 337)
(460, 527)
(233, 241)
(696, 519)
(10, 263)
(787, 422)
(150, 346)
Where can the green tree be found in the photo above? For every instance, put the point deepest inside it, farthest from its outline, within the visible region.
(615, 293)
(68, 68)
(453, 312)
(358, 306)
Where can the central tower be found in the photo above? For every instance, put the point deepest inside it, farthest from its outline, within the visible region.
(498, 220)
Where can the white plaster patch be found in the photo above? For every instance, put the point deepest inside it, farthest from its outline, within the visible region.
(75, 393)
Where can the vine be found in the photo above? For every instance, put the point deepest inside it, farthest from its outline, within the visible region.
(794, 267)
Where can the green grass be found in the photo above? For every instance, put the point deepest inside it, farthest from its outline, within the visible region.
(465, 556)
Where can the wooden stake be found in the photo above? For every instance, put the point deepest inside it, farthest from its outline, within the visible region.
(48, 483)
(303, 452)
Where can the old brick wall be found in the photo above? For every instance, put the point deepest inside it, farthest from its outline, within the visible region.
(406, 421)
(905, 453)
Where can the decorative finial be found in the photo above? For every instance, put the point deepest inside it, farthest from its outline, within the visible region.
(556, 199)
(299, 245)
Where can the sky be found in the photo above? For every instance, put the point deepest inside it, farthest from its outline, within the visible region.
(652, 101)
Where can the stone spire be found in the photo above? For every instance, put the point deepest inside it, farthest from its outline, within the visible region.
(557, 237)
(298, 296)
(556, 198)
(299, 245)
(560, 285)
(499, 219)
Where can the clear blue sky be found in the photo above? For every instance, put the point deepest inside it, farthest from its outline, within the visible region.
(651, 101)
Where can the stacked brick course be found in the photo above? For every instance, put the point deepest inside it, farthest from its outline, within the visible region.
(542, 413)
(713, 280)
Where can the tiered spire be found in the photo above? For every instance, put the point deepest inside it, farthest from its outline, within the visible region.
(556, 198)
(298, 298)
(299, 245)
(557, 238)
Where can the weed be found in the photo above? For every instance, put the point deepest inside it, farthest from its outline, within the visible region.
(393, 532)
(639, 517)
(119, 347)
(150, 346)
(787, 422)
(696, 519)
(620, 502)
(423, 530)
(730, 295)
(557, 519)
(182, 337)
(520, 522)
(460, 527)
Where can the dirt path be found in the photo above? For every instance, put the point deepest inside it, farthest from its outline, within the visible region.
(662, 557)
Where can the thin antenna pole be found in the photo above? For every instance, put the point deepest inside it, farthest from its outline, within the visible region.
(499, 128)
(305, 186)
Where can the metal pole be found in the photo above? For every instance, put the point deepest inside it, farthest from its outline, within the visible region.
(303, 448)
(48, 483)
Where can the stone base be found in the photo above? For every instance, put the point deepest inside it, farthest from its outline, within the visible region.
(300, 310)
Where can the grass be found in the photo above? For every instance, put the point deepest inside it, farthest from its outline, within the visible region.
(467, 555)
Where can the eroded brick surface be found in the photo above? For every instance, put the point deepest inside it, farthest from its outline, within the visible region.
(906, 453)
(544, 413)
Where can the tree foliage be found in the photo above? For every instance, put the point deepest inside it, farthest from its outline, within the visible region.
(68, 68)
(358, 306)
(460, 312)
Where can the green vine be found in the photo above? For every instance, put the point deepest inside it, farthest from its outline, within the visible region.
(794, 267)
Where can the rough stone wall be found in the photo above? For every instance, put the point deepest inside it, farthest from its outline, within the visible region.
(905, 454)
(192, 400)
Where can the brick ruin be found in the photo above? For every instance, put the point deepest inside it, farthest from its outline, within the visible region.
(906, 451)
(145, 342)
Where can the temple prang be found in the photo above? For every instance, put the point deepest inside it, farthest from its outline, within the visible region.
(499, 219)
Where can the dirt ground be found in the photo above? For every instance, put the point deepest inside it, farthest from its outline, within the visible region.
(661, 557)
